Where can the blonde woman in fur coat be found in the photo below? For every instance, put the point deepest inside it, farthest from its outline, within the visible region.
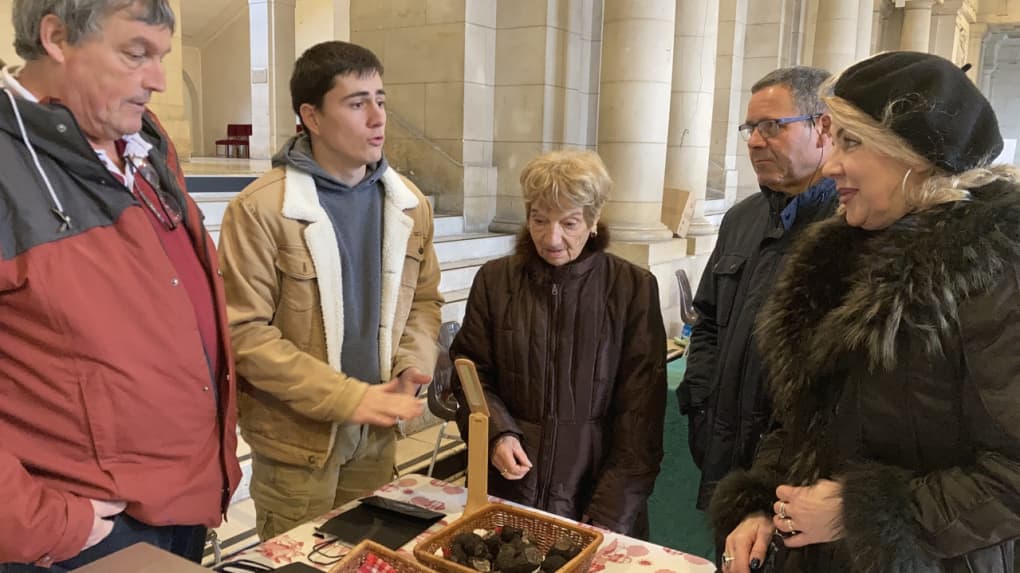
(893, 346)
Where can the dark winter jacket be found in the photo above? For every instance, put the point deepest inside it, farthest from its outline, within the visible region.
(895, 369)
(572, 362)
(723, 389)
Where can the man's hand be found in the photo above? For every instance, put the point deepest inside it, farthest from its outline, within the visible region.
(411, 380)
(382, 404)
(101, 526)
(509, 459)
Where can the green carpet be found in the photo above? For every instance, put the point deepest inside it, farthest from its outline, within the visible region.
(674, 521)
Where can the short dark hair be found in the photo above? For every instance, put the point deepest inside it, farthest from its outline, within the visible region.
(316, 70)
(802, 81)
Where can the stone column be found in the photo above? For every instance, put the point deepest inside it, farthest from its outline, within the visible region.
(634, 92)
(271, 23)
(835, 34)
(916, 33)
(879, 21)
(974, 51)
(726, 113)
(690, 118)
(953, 19)
(169, 105)
(865, 30)
(342, 20)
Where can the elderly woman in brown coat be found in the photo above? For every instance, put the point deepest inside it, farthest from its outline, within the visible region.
(570, 348)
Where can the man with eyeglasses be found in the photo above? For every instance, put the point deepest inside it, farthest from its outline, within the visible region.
(723, 393)
(117, 413)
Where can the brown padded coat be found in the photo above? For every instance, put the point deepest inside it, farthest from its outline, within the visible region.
(572, 360)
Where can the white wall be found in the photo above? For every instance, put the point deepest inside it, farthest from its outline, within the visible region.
(1005, 98)
(226, 83)
(193, 73)
(7, 34)
(313, 24)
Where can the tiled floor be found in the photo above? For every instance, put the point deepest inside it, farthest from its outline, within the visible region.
(225, 166)
(414, 454)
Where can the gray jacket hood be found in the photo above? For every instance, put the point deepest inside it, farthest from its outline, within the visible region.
(297, 153)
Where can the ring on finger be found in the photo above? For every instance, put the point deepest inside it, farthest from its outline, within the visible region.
(782, 510)
(726, 558)
(789, 523)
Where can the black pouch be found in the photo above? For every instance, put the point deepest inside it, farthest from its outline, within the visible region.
(387, 522)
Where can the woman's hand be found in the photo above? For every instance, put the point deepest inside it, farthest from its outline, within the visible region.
(747, 545)
(814, 513)
(508, 457)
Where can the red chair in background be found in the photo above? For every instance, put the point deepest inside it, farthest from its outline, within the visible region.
(236, 143)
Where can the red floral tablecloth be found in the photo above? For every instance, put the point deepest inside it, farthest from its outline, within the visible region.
(617, 554)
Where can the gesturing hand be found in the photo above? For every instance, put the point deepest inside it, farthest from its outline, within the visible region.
(411, 379)
(101, 526)
(382, 404)
(814, 512)
(509, 459)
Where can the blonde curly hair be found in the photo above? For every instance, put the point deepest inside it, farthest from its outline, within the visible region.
(567, 179)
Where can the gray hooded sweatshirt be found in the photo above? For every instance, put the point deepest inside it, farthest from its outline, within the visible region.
(356, 214)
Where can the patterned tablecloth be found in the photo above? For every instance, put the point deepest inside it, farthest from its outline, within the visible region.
(617, 554)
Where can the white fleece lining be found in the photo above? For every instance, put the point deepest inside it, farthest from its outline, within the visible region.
(301, 202)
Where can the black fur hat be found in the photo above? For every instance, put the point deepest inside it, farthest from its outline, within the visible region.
(935, 107)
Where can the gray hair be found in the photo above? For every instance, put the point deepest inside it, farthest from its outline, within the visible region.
(83, 19)
(802, 81)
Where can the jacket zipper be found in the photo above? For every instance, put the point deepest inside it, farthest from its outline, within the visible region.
(549, 433)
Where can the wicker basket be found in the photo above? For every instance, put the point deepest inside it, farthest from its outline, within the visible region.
(543, 530)
(353, 560)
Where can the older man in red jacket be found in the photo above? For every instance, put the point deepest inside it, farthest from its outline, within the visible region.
(117, 419)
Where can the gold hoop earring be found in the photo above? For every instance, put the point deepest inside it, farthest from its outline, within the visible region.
(903, 184)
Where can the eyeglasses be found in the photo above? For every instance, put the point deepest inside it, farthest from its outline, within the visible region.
(170, 215)
(769, 128)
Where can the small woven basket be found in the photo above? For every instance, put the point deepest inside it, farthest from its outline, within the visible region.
(353, 560)
(544, 531)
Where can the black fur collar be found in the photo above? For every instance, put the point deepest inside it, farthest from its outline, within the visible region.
(847, 293)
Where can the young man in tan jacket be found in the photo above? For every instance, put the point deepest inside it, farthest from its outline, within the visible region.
(333, 297)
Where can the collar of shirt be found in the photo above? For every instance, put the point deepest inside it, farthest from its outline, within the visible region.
(815, 194)
(135, 147)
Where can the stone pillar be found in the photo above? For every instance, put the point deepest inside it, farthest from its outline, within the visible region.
(634, 92)
(169, 105)
(865, 30)
(342, 20)
(271, 23)
(690, 118)
(953, 19)
(974, 52)
(881, 9)
(916, 33)
(835, 34)
(545, 91)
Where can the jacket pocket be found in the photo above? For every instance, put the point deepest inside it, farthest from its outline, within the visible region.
(727, 272)
(298, 287)
(100, 417)
(412, 262)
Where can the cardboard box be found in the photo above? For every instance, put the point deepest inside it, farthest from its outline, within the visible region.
(142, 558)
(677, 210)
